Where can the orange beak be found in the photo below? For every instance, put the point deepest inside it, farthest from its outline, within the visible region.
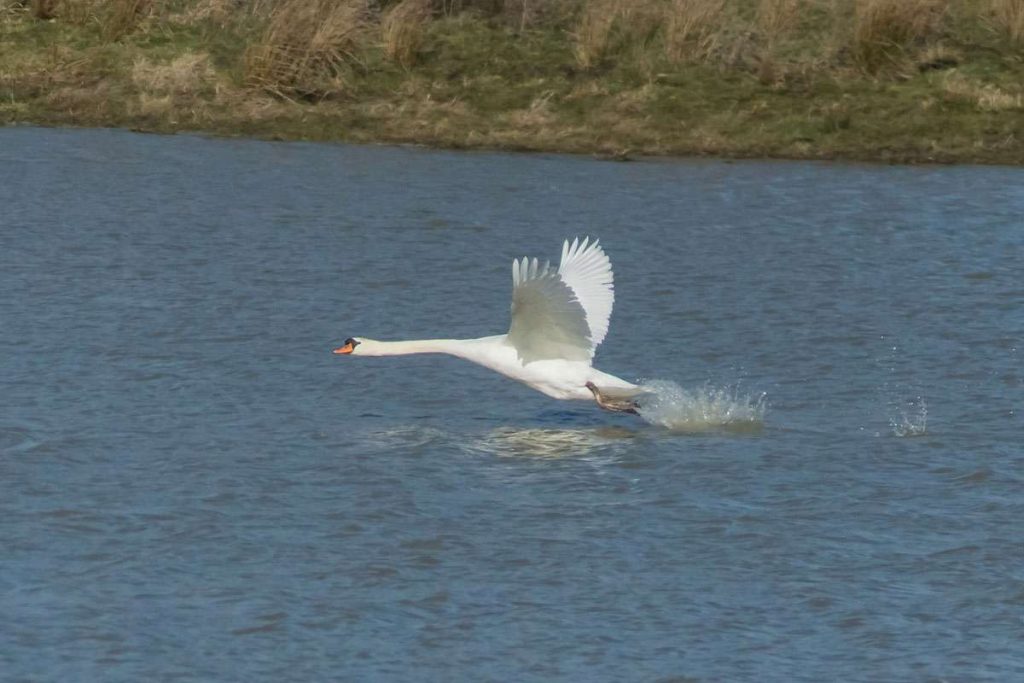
(347, 348)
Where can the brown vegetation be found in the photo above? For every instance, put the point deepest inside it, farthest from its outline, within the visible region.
(775, 18)
(885, 29)
(892, 79)
(402, 28)
(594, 31)
(308, 47)
(693, 27)
(1009, 15)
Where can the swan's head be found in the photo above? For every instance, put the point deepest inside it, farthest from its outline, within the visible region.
(351, 344)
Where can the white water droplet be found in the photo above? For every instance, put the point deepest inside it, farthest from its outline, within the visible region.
(707, 408)
(912, 419)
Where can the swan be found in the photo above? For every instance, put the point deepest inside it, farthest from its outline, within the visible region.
(559, 317)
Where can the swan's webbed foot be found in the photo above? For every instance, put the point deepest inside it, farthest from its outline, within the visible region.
(612, 403)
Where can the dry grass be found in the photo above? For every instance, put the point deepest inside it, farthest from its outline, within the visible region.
(691, 28)
(215, 11)
(1009, 17)
(75, 11)
(593, 32)
(123, 16)
(44, 9)
(115, 18)
(665, 76)
(186, 76)
(622, 22)
(986, 97)
(609, 32)
(155, 106)
(538, 115)
(308, 47)
(402, 30)
(884, 29)
(633, 102)
(938, 56)
(776, 18)
(86, 100)
(992, 98)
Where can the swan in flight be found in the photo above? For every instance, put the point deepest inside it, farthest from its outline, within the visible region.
(559, 317)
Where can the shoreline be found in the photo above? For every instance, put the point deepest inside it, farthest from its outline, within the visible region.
(597, 155)
(471, 81)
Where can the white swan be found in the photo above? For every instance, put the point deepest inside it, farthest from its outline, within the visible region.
(558, 319)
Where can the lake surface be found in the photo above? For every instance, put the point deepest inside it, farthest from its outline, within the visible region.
(193, 488)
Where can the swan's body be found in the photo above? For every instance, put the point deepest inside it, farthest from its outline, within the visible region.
(559, 316)
(556, 377)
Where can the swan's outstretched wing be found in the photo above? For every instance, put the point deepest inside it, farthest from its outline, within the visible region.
(548, 321)
(561, 314)
(587, 270)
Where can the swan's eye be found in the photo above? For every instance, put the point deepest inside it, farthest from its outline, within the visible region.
(351, 341)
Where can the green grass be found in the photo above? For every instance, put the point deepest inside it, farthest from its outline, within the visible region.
(483, 79)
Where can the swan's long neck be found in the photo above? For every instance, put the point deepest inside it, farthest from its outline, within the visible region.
(454, 347)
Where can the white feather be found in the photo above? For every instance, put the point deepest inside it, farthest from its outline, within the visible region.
(587, 270)
(561, 314)
(558, 319)
(548, 322)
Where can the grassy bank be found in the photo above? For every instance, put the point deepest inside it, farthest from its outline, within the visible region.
(899, 80)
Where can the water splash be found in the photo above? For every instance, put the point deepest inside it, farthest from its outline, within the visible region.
(912, 419)
(704, 409)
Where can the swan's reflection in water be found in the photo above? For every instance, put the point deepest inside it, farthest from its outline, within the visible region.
(601, 441)
(537, 442)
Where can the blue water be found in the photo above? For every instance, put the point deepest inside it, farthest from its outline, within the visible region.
(193, 488)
